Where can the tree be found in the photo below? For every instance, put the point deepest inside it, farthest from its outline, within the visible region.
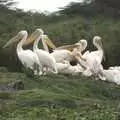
(90, 8)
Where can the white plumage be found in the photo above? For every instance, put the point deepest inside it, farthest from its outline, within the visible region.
(114, 68)
(45, 59)
(27, 57)
(66, 68)
(73, 70)
(98, 54)
(110, 76)
(92, 58)
(61, 55)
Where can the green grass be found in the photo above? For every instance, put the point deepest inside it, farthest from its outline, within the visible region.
(58, 97)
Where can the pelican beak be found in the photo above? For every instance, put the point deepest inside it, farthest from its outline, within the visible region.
(32, 37)
(13, 40)
(49, 43)
(67, 47)
(104, 58)
(101, 45)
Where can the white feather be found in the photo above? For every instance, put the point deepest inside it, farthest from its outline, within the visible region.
(61, 55)
(111, 76)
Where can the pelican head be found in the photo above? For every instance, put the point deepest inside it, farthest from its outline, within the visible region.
(83, 44)
(16, 39)
(97, 41)
(38, 32)
(22, 33)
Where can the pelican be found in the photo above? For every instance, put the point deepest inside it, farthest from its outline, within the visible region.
(91, 58)
(45, 58)
(110, 75)
(98, 54)
(66, 68)
(73, 70)
(27, 57)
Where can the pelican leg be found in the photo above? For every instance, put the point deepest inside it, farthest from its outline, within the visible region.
(44, 69)
(39, 70)
(55, 70)
(35, 72)
(40, 73)
(87, 73)
(36, 69)
(101, 77)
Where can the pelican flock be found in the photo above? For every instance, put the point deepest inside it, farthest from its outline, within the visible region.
(42, 61)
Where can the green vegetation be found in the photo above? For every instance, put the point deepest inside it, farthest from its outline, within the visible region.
(58, 97)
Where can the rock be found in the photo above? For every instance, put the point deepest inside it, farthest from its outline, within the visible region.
(14, 86)
(19, 85)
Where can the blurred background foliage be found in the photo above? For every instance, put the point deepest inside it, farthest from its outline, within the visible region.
(78, 20)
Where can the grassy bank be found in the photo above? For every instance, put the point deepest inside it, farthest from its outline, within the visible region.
(58, 97)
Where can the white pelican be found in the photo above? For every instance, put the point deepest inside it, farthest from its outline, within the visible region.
(45, 59)
(92, 57)
(66, 68)
(73, 70)
(27, 57)
(110, 75)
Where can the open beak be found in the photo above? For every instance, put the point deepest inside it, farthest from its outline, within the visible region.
(49, 43)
